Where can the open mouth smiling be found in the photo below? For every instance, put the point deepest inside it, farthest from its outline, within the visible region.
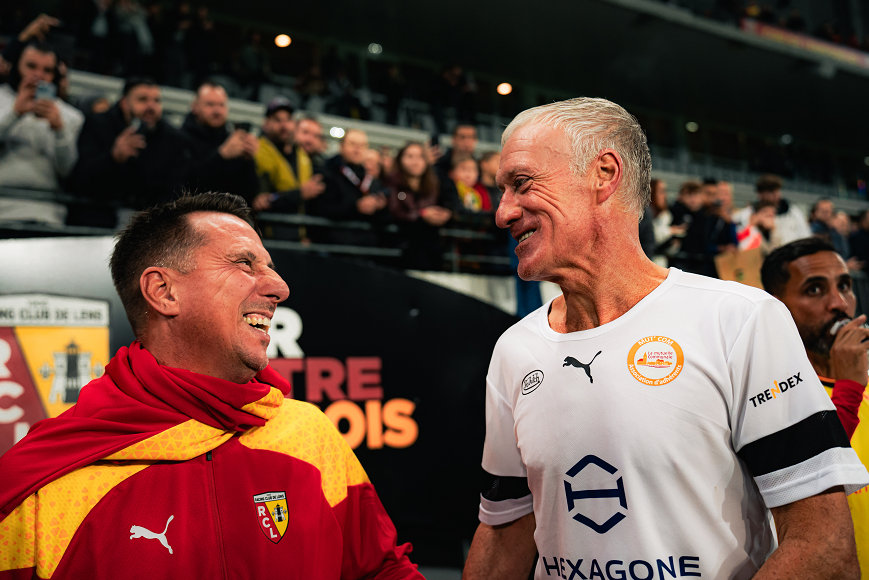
(259, 322)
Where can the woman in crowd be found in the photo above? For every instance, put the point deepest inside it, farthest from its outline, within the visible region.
(416, 204)
(665, 234)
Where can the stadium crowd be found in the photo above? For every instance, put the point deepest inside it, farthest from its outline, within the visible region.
(126, 155)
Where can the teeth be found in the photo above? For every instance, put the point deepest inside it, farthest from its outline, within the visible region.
(261, 323)
(526, 235)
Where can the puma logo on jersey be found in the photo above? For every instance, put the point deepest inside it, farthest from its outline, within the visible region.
(570, 361)
(140, 532)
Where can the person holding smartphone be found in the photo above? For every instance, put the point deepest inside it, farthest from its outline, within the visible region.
(222, 158)
(37, 133)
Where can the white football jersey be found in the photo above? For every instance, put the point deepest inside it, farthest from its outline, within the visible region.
(651, 447)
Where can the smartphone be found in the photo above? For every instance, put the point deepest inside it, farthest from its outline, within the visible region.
(136, 123)
(243, 126)
(435, 141)
(45, 90)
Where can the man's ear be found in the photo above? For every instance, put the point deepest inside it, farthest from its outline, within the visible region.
(606, 174)
(157, 285)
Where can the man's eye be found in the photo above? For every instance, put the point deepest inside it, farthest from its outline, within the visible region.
(245, 262)
(813, 290)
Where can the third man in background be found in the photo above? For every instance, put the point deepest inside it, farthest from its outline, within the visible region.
(287, 174)
(222, 161)
(812, 280)
(790, 221)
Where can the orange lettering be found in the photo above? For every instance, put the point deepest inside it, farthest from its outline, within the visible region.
(402, 430)
(355, 417)
(375, 425)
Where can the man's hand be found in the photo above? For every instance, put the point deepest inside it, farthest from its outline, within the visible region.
(236, 145)
(313, 187)
(435, 215)
(505, 551)
(127, 144)
(38, 28)
(371, 204)
(848, 358)
(816, 540)
(48, 110)
(261, 202)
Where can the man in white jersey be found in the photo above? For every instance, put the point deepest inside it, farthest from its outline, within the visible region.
(641, 425)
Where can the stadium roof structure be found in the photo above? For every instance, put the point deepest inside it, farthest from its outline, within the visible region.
(636, 52)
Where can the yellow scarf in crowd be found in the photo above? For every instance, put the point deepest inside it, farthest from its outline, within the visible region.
(272, 162)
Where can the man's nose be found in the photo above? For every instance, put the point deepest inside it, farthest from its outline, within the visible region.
(508, 211)
(838, 301)
(274, 286)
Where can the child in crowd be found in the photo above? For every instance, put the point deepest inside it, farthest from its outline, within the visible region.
(473, 195)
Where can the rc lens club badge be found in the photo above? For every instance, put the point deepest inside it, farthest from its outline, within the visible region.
(272, 514)
(655, 360)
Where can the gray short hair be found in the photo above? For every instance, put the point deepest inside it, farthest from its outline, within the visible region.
(593, 125)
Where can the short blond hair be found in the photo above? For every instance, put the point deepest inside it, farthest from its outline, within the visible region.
(593, 125)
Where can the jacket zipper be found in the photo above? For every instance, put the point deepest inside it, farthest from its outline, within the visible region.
(210, 467)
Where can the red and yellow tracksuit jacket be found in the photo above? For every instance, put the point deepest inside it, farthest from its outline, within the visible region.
(287, 499)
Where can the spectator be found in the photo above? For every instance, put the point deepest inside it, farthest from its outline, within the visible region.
(254, 63)
(415, 202)
(813, 282)
(689, 210)
(373, 164)
(453, 89)
(351, 193)
(760, 231)
(309, 136)
(790, 221)
(311, 86)
(823, 217)
(175, 49)
(221, 161)
(129, 155)
(464, 143)
(37, 135)
(202, 45)
(137, 43)
(341, 98)
(859, 241)
(489, 163)
(666, 235)
(287, 173)
(473, 196)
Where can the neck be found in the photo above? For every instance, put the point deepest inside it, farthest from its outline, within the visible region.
(414, 182)
(611, 277)
(821, 364)
(170, 353)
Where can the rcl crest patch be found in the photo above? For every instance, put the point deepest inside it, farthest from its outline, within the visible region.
(272, 514)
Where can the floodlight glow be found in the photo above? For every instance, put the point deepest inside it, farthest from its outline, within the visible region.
(336, 132)
(691, 126)
(375, 48)
(786, 139)
(866, 160)
(283, 40)
(505, 89)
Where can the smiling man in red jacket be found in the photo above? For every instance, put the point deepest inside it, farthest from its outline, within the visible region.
(185, 460)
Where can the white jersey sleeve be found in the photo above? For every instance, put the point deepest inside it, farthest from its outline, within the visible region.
(505, 496)
(784, 426)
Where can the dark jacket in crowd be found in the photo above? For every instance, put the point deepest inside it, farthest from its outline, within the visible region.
(840, 242)
(338, 202)
(210, 171)
(158, 174)
(859, 242)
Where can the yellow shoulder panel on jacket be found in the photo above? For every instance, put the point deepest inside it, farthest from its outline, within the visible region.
(41, 528)
(179, 443)
(301, 430)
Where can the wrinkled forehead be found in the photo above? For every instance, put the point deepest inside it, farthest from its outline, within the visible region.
(534, 148)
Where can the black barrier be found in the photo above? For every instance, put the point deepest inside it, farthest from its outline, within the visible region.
(397, 362)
